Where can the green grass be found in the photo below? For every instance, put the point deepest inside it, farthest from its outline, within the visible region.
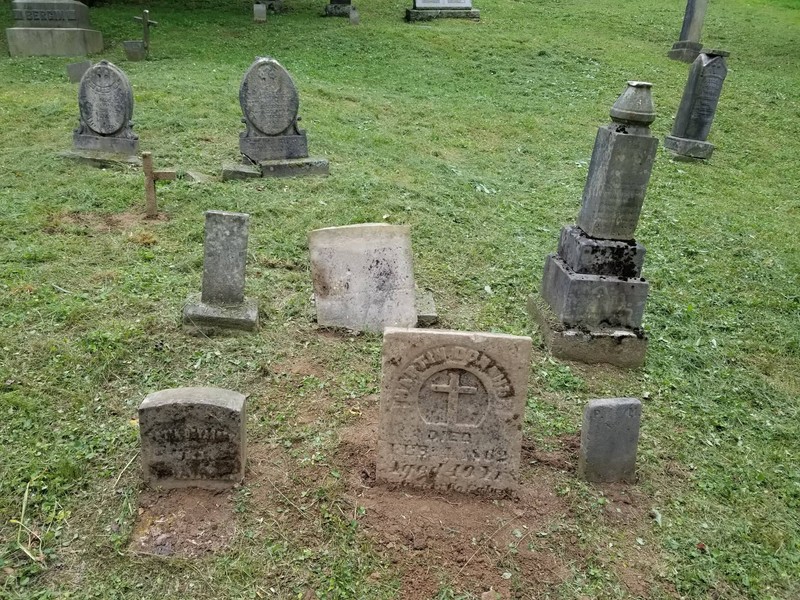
(478, 135)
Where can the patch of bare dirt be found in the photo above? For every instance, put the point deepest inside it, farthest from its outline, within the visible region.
(562, 457)
(436, 537)
(91, 223)
(185, 522)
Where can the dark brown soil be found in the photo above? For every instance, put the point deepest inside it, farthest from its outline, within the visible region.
(92, 223)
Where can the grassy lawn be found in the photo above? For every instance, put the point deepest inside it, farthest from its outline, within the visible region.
(478, 135)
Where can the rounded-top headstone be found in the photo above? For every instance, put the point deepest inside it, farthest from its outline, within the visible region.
(105, 98)
(268, 97)
(635, 104)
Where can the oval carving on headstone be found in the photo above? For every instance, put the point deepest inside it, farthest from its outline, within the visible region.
(268, 97)
(105, 98)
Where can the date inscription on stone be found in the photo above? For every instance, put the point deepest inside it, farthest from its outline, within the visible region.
(193, 437)
(452, 408)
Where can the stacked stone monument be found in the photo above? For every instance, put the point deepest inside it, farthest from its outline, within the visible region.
(698, 106)
(193, 437)
(688, 47)
(52, 28)
(105, 101)
(593, 296)
(272, 140)
(426, 10)
(451, 410)
(222, 306)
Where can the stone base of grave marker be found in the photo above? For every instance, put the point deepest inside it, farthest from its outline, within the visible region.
(685, 51)
(200, 318)
(609, 440)
(614, 346)
(691, 149)
(258, 148)
(193, 437)
(76, 70)
(231, 171)
(294, 167)
(105, 144)
(338, 8)
(102, 160)
(428, 14)
(451, 411)
(38, 41)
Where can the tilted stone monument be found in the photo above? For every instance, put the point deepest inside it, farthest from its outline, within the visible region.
(193, 437)
(272, 139)
(698, 106)
(363, 276)
(52, 28)
(426, 10)
(105, 100)
(609, 440)
(593, 296)
(451, 410)
(222, 306)
(688, 47)
(338, 8)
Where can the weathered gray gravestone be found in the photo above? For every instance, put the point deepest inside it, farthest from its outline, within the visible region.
(609, 440)
(222, 305)
(338, 8)
(193, 437)
(52, 28)
(698, 106)
(452, 408)
(136, 50)
(426, 10)
(259, 12)
(76, 70)
(272, 139)
(592, 291)
(363, 276)
(105, 100)
(688, 47)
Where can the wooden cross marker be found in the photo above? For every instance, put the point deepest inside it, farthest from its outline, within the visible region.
(146, 23)
(150, 178)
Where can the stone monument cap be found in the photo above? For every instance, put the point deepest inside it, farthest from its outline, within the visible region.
(635, 104)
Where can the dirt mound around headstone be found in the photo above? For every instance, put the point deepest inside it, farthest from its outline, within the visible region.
(474, 542)
(183, 522)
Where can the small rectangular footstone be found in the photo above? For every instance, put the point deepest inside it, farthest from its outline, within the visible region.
(452, 408)
(609, 440)
(76, 70)
(193, 437)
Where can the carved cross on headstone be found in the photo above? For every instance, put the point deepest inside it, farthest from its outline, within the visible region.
(150, 178)
(453, 389)
(146, 23)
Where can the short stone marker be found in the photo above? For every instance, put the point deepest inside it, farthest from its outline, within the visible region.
(363, 276)
(609, 440)
(260, 12)
(426, 10)
(688, 47)
(222, 306)
(698, 106)
(338, 8)
(193, 437)
(105, 100)
(136, 50)
(272, 139)
(593, 296)
(76, 70)
(52, 28)
(355, 18)
(150, 178)
(451, 410)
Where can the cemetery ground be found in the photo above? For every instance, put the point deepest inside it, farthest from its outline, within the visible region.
(478, 135)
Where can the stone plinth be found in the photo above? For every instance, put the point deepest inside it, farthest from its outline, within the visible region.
(193, 437)
(609, 440)
(363, 276)
(688, 46)
(452, 408)
(426, 10)
(698, 106)
(54, 28)
(222, 305)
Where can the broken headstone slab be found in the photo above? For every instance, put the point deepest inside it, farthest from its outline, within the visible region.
(593, 297)
(363, 276)
(222, 306)
(52, 28)
(426, 10)
(272, 138)
(609, 440)
(193, 437)
(105, 100)
(698, 106)
(451, 411)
